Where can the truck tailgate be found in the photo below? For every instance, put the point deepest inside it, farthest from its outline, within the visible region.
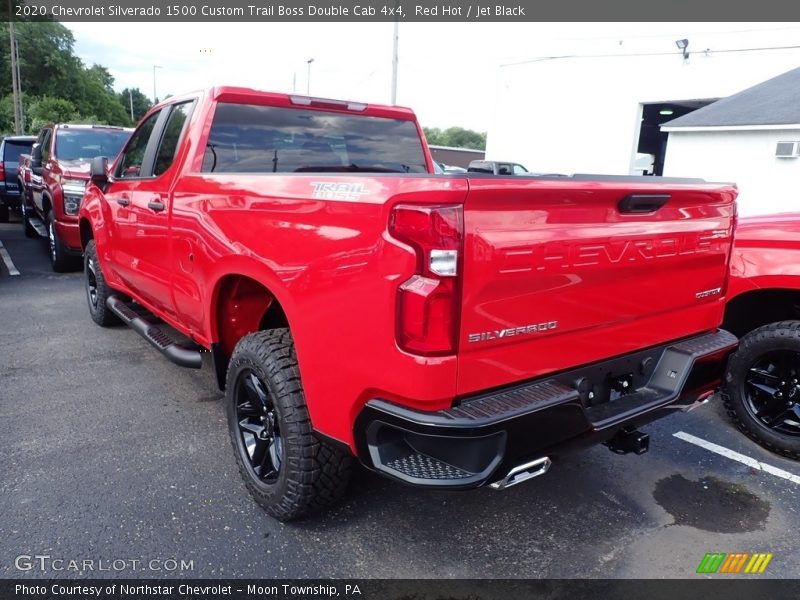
(559, 273)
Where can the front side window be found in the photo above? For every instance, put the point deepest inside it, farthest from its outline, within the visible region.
(267, 139)
(130, 163)
(85, 143)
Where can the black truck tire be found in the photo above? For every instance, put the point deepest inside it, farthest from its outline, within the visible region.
(97, 291)
(60, 259)
(3, 211)
(30, 232)
(287, 468)
(762, 387)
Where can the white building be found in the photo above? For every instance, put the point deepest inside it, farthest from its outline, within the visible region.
(752, 138)
(596, 106)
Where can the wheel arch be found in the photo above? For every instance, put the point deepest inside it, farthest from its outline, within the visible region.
(752, 309)
(87, 234)
(241, 305)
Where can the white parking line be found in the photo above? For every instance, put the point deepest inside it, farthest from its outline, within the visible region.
(12, 270)
(746, 460)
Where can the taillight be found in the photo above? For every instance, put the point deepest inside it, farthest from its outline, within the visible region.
(2, 170)
(427, 303)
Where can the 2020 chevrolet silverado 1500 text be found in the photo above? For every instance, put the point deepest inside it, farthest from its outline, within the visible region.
(448, 331)
(53, 178)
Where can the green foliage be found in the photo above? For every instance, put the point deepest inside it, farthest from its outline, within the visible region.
(56, 85)
(457, 137)
(141, 103)
(47, 109)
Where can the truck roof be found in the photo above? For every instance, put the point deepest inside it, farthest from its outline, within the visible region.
(242, 95)
(88, 126)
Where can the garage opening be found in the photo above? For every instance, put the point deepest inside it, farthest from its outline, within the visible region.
(651, 147)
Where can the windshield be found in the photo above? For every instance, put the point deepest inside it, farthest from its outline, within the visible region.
(266, 139)
(85, 144)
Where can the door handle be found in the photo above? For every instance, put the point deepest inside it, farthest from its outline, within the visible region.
(123, 201)
(155, 205)
(642, 203)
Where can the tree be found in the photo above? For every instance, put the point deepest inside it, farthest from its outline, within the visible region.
(50, 71)
(47, 109)
(141, 103)
(458, 137)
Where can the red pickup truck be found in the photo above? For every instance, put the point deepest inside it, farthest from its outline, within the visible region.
(449, 331)
(52, 180)
(762, 382)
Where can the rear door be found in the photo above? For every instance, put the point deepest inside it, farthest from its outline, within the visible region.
(561, 273)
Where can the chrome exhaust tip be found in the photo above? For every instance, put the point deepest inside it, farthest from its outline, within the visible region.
(523, 473)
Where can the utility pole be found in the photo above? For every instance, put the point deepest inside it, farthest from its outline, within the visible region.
(15, 87)
(308, 79)
(130, 96)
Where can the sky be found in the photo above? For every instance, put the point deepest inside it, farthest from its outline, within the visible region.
(448, 72)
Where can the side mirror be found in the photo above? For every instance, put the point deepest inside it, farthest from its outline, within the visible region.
(98, 172)
(36, 158)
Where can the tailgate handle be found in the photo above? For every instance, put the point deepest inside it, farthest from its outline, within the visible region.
(642, 203)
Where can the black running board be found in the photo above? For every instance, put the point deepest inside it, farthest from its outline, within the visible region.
(172, 350)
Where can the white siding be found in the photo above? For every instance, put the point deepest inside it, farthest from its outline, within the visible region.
(766, 184)
(582, 114)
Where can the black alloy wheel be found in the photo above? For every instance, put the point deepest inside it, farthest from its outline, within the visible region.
(261, 444)
(762, 387)
(771, 390)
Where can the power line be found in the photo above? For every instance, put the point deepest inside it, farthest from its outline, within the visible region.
(707, 51)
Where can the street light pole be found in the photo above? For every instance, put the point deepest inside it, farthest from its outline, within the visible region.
(155, 98)
(395, 60)
(308, 79)
(130, 96)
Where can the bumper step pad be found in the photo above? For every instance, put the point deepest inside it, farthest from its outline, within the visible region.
(422, 466)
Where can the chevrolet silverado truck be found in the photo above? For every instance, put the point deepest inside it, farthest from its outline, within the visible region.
(762, 382)
(52, 180)
(448, 331)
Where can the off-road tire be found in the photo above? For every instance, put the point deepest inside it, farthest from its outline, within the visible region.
(784, 335)
(313, 473)
(100, 313)
(30, 232)
(60, 259)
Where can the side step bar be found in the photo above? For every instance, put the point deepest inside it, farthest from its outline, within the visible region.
(172, 350)
(39, 226)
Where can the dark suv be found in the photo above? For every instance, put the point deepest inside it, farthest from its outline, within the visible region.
(10, 149)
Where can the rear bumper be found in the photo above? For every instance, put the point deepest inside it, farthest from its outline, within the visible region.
(482, 438)
(9, 196)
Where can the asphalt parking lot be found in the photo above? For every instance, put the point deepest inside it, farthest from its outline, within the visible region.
(110, 453)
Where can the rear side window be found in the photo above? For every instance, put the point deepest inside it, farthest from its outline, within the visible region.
(266, 139)
(12, 150)
(172, 137)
